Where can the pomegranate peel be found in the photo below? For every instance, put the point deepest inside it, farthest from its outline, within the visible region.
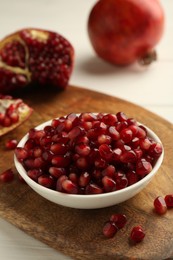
(35, 56)
(13, 112)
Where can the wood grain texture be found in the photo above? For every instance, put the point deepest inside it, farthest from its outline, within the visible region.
(78, 233)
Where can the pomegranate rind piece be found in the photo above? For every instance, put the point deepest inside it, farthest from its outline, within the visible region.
(22, 109)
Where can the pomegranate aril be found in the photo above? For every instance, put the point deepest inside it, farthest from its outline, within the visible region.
(82, 163)
(88, 117)
(128, 156)
(119, 219)
(93, 189)
(73, 177)
(143, 167)
(21, 153)
(60, 161)
(105, 151)
(155, 150)
(84, 179)
(82, 149)
(160, 205)
(109, 229)
(145, 143)
(7, 176)
(169, 200)
(104, 139)
(109, 171)
(121, 182)
(34, 174)
(110, 119)
(57, 172)
(137, 234)
(141, 133)
(132, 177)
(121, 116)
(59, 182)
(108, 184)
(11, 144)
(114, 134)
(37, 152)
(76, 132)
(46, 181)
(126, 135)
(69, 187)
(59, 149)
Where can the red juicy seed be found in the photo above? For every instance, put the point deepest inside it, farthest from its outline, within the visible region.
(105, 151)
(115, 135)
(128, 156)
(57, 172)
(30, 143)
(39, 162)
(7, 176)
(100, 163)
(104, 139)
(88, 117)
(109, 229)
(59, 182)
(37, 152)
(141, 133)
(109, 171)
(96, 174)
(47, 156)
(121, 182)
(121, 125)
(6, 122)
(160, 205)
(155, 150)
(93, 189)
(169, 200)
(121, 116)
(134, 129)
(46, 181)
(84, 179)
(135, 142)
(132, 177)
(82, 163)
(14, 117)
(116, 154)
(119, 219)
(60, 161)
(21, 153)
(145, 143)
(138, 152)
(49, 130)
(137, 234)
(59, 149)
(109, 184)
(69, 187)
(28, 163)
(75, 132)
(82, 149)
(11, 144)
(126, 135)
(143, 167)
(131, 121)
(86, 125)
(34, 174)
(82, 140)
(73, 177)
(110, 119)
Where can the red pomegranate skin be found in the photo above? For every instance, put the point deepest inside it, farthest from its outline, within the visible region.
(123, 31)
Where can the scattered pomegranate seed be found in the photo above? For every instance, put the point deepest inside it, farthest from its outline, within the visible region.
(89, 153)
(11, 144)
(119, 219)
(169, 200)
(160, 205)
(7, 176)
(137, 234)
(109, 229)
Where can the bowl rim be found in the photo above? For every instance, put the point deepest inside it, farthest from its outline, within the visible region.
(136, 185)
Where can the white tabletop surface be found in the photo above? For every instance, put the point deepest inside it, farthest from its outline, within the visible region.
(151, 88)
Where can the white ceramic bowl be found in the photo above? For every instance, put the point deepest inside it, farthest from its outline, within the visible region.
(88, 201)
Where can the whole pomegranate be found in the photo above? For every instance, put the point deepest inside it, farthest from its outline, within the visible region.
(35, 56)
(123, 31)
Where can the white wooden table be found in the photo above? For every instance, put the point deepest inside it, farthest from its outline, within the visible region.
(151, 88)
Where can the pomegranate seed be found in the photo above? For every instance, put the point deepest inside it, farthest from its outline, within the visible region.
(104, 139)
(119, 219)
(110, 119)
(126, 135)
(73, 177)
(93, 189)
(169, 200)
(160, 205)
(45, 181)
(128, 156)
(7, 176)
(155, 150)
(59, 149)
(60, 181)
(82, 149)
(137, 234)
(69, 187)
(109, 229)
(121, 116)
(105, 151)
(84, 179)
(109, 171)
(109, 184)
(11, 144)
(141, 133)
(34, 174)
(114, 134)
(21, 153)
(132, 177)
(143, 167)
(57, 172)
(60, 161)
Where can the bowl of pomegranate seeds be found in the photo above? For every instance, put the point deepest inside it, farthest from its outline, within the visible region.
(89, 160)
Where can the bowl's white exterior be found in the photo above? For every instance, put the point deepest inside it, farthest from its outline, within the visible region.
(88, 201)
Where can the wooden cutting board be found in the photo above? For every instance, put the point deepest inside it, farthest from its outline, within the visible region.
(78, 233)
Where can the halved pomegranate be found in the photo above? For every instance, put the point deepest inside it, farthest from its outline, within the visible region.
(13, 112)
(35, 56)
